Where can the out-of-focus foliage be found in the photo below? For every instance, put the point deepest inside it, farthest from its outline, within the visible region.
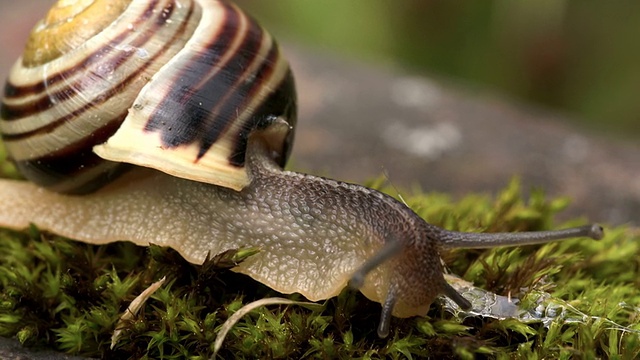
(581, 57)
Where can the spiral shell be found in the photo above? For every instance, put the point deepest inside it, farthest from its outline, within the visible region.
(175, 85)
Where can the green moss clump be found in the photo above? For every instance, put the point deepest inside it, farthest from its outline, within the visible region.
(58, 293)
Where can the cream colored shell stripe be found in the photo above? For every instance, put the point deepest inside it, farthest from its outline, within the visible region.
(53, 114)
(189, 123)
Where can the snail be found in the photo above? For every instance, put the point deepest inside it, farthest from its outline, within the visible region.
(169, 122)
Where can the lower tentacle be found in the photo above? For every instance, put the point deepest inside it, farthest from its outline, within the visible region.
(387, 309)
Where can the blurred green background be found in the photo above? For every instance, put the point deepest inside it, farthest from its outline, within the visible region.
(579, 57)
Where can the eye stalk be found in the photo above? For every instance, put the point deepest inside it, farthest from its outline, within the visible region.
(455, 239)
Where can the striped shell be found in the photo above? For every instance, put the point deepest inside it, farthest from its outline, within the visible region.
(175, 85)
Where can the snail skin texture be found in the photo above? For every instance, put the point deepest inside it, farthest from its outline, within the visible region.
(169, 122)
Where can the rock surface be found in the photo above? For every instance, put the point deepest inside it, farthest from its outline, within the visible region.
(11, 349)
(357, 121)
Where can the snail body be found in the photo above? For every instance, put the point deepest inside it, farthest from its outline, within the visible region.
(193, 159)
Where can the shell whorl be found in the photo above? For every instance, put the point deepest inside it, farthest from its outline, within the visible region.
(175, 85)
(59, 33)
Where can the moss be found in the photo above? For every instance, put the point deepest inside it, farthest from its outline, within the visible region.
(55, 292)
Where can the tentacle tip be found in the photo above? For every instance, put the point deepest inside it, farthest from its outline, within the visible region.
(454, 295)
(356, 282)
(383, 330)
(596, 232)
(464, 304)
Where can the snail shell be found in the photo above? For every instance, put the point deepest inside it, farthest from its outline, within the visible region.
(173, 85)
(197, 90)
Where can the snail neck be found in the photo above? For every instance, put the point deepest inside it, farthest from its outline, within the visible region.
(388, 248)
(377, 216)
